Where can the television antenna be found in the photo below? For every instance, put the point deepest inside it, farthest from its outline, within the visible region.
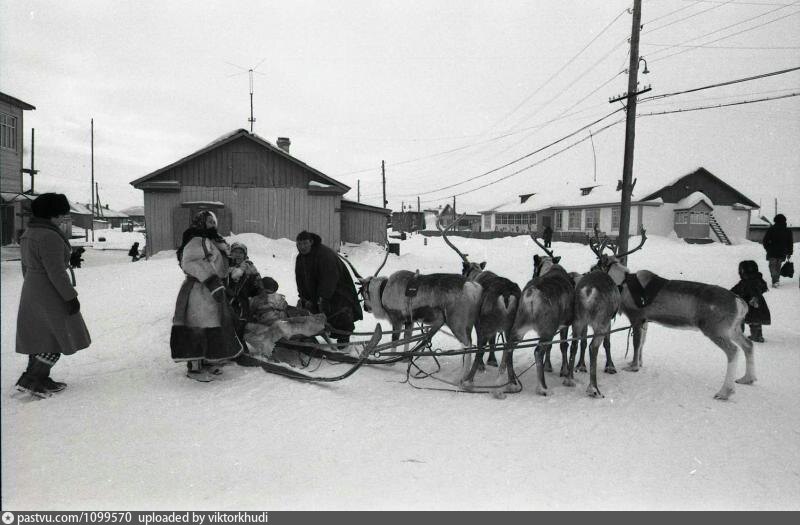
(250, 72)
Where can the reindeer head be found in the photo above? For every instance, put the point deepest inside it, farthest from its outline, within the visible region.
(542, 265)
(366, 289)
(610, 263)
(470, 270)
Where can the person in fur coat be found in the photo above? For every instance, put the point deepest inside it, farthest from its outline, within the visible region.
(203, 328)
(49, 322)
(752, 288)
(324, 285)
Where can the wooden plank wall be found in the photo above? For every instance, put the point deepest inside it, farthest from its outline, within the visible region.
(273, 212)
(361, 225)
(11, 161)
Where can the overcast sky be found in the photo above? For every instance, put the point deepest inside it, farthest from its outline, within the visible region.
(443, 91)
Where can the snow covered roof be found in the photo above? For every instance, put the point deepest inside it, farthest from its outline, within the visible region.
(567, 194)
(690, 201)
(134, 210)
(78, 208)
(315, 184)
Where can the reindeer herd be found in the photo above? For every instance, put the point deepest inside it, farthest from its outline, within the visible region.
(551, 303)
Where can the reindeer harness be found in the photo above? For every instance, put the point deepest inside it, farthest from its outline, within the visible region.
(643, 295)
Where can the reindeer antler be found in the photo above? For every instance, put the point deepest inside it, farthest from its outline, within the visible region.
(540, 245)
(446, 240)
(348, 263)
(641, 243)
(595, 245)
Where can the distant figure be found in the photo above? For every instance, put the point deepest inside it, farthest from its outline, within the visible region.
(133, 253)
(778, 244)
(75, 257)
(751, 288)
(547, 234)
(49, 321)
(325, 286)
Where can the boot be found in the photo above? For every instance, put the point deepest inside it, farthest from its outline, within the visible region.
(39, 366)
(755, 333)
(30, 384)
(195, 371)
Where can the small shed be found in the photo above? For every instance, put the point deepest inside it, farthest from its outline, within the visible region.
(361, 222)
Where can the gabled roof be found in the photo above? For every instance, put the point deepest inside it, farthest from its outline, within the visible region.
(134, 210)
(702, 171)
(366, 207)
(690, 201)
(8, 99)
(230, 137)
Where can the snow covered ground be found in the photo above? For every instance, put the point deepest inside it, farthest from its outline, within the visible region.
(132, 432)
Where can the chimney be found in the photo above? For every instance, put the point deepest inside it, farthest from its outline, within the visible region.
(284, 143)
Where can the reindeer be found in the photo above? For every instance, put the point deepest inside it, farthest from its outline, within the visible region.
(547, 307)
(597, 301)
(498, 307)
(718, 313)
(435, 299)
(600, 284)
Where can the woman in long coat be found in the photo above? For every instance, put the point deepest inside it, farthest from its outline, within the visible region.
(49, 322)
(203, 329)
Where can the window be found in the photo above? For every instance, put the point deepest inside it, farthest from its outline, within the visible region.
(591, 218)
(8, 131)
(681, 217)
(699, 218)
(574, 219)
(615, 218)
(559, 219)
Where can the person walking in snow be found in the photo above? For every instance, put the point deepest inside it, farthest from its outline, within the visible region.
(203, 328)
(49, 321)
(324, 285)
(751, 288)
(133, 253)
(547, 235)
(778, 244)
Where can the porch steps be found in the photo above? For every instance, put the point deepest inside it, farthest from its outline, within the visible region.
(717, 229)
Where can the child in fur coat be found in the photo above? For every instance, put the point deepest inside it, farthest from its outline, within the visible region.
(751, 288)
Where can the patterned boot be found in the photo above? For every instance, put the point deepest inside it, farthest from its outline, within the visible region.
(40, 366)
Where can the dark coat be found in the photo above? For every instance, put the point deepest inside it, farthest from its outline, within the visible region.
(43, 322)
(751, 288)
(320, 274)
(778, 241)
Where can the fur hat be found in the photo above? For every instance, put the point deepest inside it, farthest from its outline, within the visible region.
(270, 285)
(49, 205)
(308, 236)
(239, 246)
(780, 219)
(199, 219)
(748, 267)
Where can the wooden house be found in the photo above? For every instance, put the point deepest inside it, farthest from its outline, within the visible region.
(252, 186)
(14, 203)
(697, 206)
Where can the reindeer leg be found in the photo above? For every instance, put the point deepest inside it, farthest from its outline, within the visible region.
(507, 365)
(573, 350)
(592, 388)
(610, 368)
(749, 376)
(547, 366)
(731, 352)
(541, 350)
(565, 371)
(639, 333)
(477, 363)
(584, 343)
(492, 360)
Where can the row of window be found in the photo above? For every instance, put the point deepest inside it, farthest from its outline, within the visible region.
(515, 218)
(694, 217)
(8, 131)
(576, 219)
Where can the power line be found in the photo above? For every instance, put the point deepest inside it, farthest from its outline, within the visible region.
(720, 84)
(565, 137)
(686, 18)
(595, 133)
(727, 47)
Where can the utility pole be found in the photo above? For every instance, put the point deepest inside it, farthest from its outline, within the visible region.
(776, 205)
(32, 172)
(92, 190)
(454, 212)
(383, 176)
(630, 132)
(359, 190)
(418, 204)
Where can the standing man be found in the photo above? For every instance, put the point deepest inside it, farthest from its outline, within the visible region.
(324, 285)
(778, 244)
(49, 322)
(547, 234)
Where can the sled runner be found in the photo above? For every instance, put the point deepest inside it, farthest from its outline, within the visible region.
(365, 349)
